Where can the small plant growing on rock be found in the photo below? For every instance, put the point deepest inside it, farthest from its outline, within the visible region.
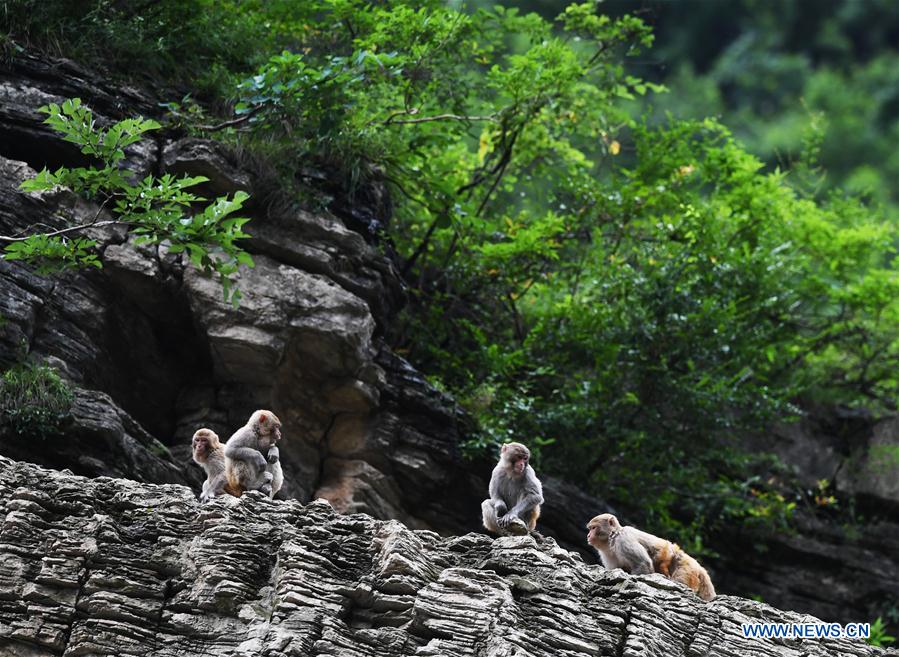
(154, 209)
(34, 400)
(879, 636)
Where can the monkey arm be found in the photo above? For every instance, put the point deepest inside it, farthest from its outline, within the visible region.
(526, 504)
(246, 454)
(531, 496)
(499, 504)
(642, 564)
(660, 550)
(274, 454)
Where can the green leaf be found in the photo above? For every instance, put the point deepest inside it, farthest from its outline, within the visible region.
(43, 181)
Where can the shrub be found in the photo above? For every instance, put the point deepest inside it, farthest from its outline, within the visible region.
(34, 400)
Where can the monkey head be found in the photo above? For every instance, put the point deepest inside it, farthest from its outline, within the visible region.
(516, 457)
(601, 528)
(203, 442)
(266, 426)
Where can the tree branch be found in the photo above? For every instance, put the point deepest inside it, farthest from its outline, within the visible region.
(421, 246)
(232, 122)
(516, 318)
(438, 117)
(62, 231)
(70, 229)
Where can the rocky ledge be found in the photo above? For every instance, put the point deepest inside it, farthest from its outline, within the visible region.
(115, 567)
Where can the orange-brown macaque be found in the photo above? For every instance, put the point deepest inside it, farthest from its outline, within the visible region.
(640, 553)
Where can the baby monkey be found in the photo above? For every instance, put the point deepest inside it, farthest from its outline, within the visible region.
(640, 553)
(252, 458)
(515, 493)
(208, 453)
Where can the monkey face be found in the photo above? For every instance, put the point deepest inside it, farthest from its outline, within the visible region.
(271, 436)
(267, 424)
(516, 456)
(520, 464)
(600, 528)
(204, 441)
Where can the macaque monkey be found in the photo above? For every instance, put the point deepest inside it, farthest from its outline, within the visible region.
(252, 458)
(208, 453)
(515, 493)
(640, 553)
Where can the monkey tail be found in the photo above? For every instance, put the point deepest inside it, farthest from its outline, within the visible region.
(233, 486)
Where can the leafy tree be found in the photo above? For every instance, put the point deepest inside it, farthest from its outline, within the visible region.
(634, 319)
(771, 70)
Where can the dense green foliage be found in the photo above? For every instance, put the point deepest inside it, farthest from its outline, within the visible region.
(200, 43)
(154, 209)
(33, 400)
(774, 68)
(626, 296)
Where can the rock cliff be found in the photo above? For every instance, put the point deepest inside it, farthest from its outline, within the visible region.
(113, 567)
(154, 352)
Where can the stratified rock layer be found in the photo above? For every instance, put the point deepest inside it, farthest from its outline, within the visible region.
(113, 567)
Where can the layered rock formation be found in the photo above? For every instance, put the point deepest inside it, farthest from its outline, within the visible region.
(113, 567)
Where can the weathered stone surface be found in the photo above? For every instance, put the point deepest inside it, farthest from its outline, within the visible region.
(817, 566)
(98, 439)
(873, 471)
(846, 571)
(361, 426)
(165, 347)
(201, 157)
(27, 82)
(321, 244)
(112, 567)
(104, 329)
